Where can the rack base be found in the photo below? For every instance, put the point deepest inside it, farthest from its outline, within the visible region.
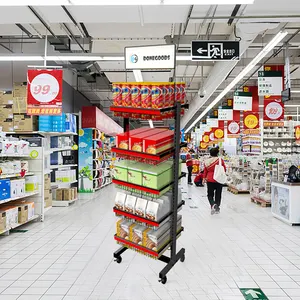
(261, 202)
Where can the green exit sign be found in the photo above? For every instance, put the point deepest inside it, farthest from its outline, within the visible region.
(253, 294)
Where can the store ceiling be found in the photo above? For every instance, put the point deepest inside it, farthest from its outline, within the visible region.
(106, 30)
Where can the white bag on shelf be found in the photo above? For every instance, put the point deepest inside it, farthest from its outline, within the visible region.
(219, 173)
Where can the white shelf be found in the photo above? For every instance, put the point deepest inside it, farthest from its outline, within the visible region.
(14, 175)
(17, 225)
(279, 138)
(62, 184)
(52, 150)
(61, 166)
(17, 198)
(14, 155)
(42, 133)
(102, 186)
(63, 203)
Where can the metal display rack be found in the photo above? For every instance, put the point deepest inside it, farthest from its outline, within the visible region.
(174, 232)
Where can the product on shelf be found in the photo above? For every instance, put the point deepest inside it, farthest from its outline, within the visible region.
(140, 207)
(158, 143)
(2, 221)
(31, 183)
(23, 122)
(4, 189)
(66, 194)
(65, 122)
(122, 139)
(12, 215)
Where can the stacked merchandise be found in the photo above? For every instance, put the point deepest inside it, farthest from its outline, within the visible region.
(144, 224)
(251, 144)
(95, 160)
(280, 140)
(155, 95)
(13, 115)
(65, 196)
(65, 123)
(239, 174)
(47, 191)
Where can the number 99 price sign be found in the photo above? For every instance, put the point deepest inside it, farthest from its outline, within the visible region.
(44, 92)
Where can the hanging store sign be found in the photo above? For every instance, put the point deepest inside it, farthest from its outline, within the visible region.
(273, 124)
(215, 50)
(273, 108)
(213, 123)
(251, 120)
(225, 114)
(270, 83)
(44, 92)
(219, 133)
(203, 145)
(233, 127)
(150, 57)
(242, 101)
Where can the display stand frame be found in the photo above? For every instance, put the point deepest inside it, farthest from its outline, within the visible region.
(180, 255)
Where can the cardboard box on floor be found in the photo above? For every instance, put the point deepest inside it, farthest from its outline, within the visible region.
(47, 182)
(22, 122)
(59, 195)
(48, 198)
(67, 194)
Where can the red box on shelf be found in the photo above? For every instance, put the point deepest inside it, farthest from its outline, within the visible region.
(136, 140)
(158, 143)
(122, 140)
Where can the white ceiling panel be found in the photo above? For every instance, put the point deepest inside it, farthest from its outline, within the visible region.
(9, 29)
(111, 65)
(54, 14)
(165, 14)
(105, 14)
(16, 14)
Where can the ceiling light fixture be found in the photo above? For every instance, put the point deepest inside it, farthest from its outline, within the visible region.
(277, 38)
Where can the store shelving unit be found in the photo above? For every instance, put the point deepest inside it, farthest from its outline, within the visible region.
(154, 159)
(95, 160)
(63, 203)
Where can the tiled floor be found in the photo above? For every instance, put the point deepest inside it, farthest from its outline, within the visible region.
(69, 256)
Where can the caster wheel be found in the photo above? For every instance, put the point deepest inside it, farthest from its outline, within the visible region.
(182, 259)
(163, 280)
(118, 259)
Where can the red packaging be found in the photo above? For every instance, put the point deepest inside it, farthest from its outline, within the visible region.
(183, 92)
(167, 96)
(172, 94)
(146, 95)
(117, 94)
(136, 95)
(157, 96)
(122, 140)
(126, 94)
(158, 143)
(178, 92)
(136, 140)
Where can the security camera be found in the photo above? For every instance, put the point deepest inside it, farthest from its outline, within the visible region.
(201, 93)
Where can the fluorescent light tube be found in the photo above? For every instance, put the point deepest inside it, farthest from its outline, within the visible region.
(278, 37)
(151, 124)
(295, 91)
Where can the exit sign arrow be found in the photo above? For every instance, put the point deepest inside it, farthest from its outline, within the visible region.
(253, 294)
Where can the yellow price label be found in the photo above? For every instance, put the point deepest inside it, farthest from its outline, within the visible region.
(219, 133)
(251, 121)
(297, 133)
(206, 138)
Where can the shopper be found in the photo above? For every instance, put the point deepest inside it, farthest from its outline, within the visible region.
(199, 179)
(214, 188)
(189, 164)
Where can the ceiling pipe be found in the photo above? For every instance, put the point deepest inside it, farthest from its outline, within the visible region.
(247, 17)
(73, 21)
(24, 30)
(187, 19)
(73, 37)
(42, 21)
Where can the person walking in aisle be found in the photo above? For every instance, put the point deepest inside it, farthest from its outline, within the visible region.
(189, 165)
(214, 188)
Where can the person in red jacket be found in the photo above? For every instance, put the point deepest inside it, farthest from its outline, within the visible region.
(214, 188)
(189, 164)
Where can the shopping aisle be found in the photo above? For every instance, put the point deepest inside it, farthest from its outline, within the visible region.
(69, 256)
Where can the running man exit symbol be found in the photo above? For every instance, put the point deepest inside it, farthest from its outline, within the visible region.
(253, 294)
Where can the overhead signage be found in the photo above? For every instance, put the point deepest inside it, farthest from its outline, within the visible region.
(273, 108)
(251, 120)
(225, 114)
(253, 294)
(44, 92)
(233, 127)
(273, 124)
(215, 50)
(219, 133)
(270, 83)
(150, 57)
(212, 122)
(242, 101)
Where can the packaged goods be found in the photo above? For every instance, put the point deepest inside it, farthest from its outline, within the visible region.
(138, 232)
(157, 96)
(30, 209)
(122, 140)
(23, 122)
(6, 98)
(157, 209)
(67, 194)
(140, 207)
(7, 125)
(31, 184)
(158, 143)
(2, 221)
(117, 94)
(59, 195)
(19, 105)
(130, 204)
(4, 189)
(167, 102)
(136, 100)
(136, 140)
(12, 214)
(120, 200)
(126, 94)
(20, 89)
(135, 174)
(22, 213)
(120, 170)
(6, 112)
(146, 96)
(47, 182)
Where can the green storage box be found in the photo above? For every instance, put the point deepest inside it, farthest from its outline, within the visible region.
(120, 170)
(135, 173)
(156, 177)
